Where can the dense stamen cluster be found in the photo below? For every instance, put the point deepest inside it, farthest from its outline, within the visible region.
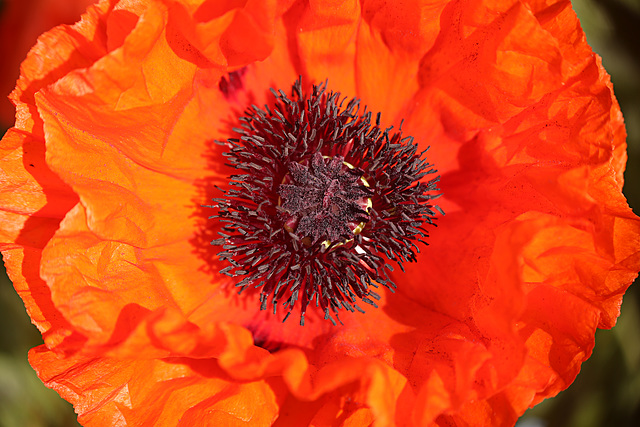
(322, 198)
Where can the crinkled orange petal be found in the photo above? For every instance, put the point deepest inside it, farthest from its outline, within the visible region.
(128, 206)
(322, 36)
(223, 33)
(30, 215)
(391, 39)
(35, 200)
(159, 392)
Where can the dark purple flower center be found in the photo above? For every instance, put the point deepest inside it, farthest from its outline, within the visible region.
(321, 199)
(324, 200)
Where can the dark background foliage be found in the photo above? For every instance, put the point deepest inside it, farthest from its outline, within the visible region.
(607, 391)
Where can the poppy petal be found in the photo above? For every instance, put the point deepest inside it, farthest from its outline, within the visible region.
(157, 392)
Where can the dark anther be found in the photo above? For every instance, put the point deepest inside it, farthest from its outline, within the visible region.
(231, 83)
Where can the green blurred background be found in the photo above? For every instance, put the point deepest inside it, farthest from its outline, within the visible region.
(607, 391)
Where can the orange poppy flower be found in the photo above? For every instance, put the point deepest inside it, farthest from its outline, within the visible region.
(112, 158)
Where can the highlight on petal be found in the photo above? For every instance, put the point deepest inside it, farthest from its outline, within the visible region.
(114, 154)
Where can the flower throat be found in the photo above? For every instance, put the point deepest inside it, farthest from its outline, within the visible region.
(322, 198)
